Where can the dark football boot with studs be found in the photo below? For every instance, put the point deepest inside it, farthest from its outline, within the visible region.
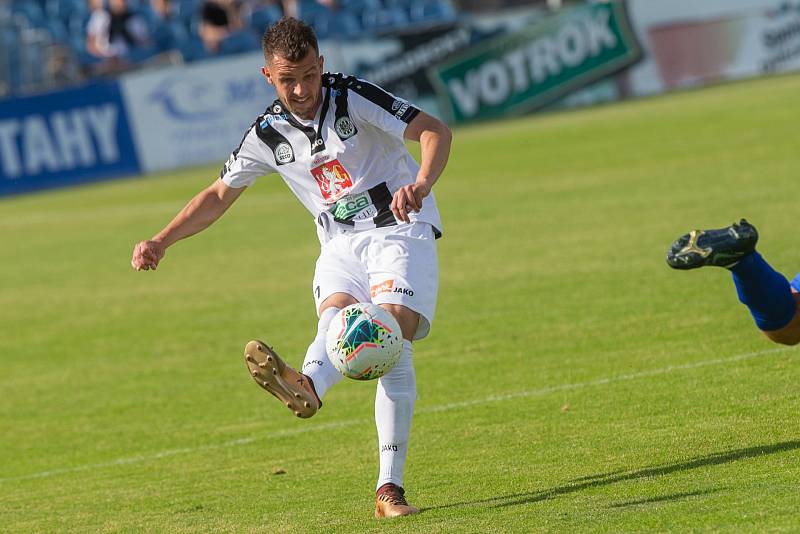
(722, 247)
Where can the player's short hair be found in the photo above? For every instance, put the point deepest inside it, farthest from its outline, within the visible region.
(290, 39)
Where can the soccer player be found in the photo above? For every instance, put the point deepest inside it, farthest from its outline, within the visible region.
(770, 297)
(338, 143)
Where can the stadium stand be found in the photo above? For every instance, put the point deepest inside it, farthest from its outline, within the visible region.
(45, 44)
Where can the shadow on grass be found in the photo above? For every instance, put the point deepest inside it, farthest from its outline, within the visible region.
(593, 481)
(666, 498)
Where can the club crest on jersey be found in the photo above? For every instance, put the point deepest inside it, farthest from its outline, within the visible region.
(284, 153)
(344, 127)
(333, 180)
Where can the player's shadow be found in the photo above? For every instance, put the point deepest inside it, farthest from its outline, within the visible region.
(605, 479)
(665, 498)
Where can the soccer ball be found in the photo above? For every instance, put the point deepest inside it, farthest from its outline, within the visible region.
(364, 341)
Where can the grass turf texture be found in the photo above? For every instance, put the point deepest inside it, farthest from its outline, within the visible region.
(127, 407)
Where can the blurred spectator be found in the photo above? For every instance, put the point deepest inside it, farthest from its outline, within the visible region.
(234, 10)
(218, 35)
(114, 33)
(214, 26)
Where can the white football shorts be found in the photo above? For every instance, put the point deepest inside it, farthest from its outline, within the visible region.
(390, 265)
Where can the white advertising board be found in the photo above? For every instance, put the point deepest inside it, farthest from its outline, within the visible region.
(195, 114)
(690, 43)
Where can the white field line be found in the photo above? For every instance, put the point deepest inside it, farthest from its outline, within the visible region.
(431, 409)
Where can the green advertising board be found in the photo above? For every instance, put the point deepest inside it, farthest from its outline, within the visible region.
(532, 67)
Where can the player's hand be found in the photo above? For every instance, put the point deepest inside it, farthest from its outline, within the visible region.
(409, 198)
(147, 254)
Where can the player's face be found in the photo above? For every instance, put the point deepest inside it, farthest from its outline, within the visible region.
(299, 85)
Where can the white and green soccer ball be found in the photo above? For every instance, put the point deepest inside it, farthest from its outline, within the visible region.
(364, 341)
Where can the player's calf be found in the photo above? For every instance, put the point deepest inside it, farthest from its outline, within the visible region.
(789, 334)
(295, 390)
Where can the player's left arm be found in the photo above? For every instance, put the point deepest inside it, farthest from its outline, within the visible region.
(434, 138)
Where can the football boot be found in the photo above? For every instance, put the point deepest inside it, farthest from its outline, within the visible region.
(390, 501)
(295, 390)
(722, 247)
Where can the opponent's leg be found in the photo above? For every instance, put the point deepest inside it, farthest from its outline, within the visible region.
(394, 407)
(316, 365)
(789, 334)
(765, 292)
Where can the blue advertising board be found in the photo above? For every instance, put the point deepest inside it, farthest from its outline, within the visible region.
(64, 138)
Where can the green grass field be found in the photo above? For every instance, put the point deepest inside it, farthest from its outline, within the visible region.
(572, 382)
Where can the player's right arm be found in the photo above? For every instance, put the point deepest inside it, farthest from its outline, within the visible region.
(244, 165)
(205, 208)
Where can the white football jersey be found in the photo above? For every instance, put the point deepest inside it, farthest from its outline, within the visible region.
(346, 163)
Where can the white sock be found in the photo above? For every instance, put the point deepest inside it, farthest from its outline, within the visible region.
(394, 405)
(317, 366)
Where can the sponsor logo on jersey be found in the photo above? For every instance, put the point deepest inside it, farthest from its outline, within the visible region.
(355, 207)
(399, 107)
(383, 287)
(270, 119)
(284, 153)
(344, 127)
(333, 180)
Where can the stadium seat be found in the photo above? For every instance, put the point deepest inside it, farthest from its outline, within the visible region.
(9, 58)
(431, 11)
(384, 20)
(30, 11)
(309, 8)
(57, 30)
(263, 17)
(168, 35)
(192, 49)
(347, 24)
(237, 43)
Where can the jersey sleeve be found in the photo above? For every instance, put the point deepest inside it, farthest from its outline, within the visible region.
(244, 165)
(381, 108)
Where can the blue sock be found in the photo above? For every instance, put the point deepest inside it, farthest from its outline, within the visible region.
(764, 291)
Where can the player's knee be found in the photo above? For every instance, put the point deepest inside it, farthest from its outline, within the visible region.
(407, 318)
(337, 300)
